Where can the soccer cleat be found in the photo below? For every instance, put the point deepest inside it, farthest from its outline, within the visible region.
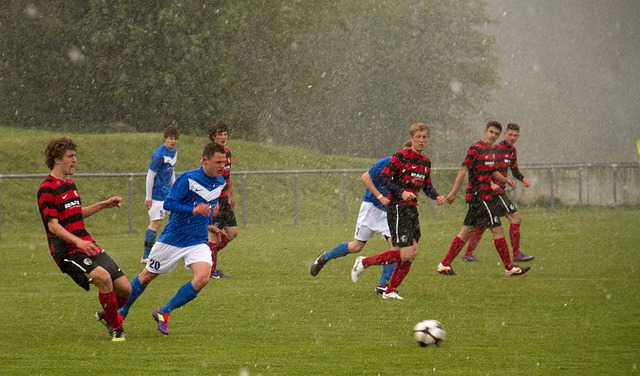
(522, 257)
(445, 270)
(219, 274)
(392, 295)
(118, 335)
(381, 289)
(516, 270)
(317, 265)
(470, 258)
(357, 269)
(163, 322)
(100, 317)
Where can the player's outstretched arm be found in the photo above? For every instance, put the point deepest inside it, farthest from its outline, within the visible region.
(113, 202)
(462, 173)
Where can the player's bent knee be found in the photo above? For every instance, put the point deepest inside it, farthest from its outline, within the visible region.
(122, 287)
(200, 282)
(101, 278)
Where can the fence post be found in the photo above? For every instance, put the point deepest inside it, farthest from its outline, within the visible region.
(579, 187)
(1, 210)
(614, 174)
(551, 192)
(344, 198)
(244, 200)
(131, 204)
(295, 199)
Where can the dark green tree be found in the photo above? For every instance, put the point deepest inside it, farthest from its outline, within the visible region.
(337, 75)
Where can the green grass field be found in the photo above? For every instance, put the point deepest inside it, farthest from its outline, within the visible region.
(576, 313)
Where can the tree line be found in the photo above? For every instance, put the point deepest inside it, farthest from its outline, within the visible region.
(341, 76)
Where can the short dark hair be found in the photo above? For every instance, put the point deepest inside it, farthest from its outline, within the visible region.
(218, 127)
(56, 148)
(495, 124)
(171, 131)
(211, 148)
(513, 127)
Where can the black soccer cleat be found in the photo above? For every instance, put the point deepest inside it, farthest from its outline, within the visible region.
(317, 265)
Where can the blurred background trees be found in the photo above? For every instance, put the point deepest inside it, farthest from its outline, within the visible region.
(340, 76)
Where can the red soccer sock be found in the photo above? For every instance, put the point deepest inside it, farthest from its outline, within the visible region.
(109, 304)
(503, 251)
(388, 257)
(214, 255)
(514, 236)
(121, 300)
(474, 240)
(454, 250)
(224, 240)
(401, 270)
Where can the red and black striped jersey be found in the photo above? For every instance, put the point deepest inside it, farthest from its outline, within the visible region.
(506, 158)
(59, 199)
(226, 173)
(408, 171)
(480, 162)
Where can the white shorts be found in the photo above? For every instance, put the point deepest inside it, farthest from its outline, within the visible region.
(157, 211)
(371, 221)
(164, 257)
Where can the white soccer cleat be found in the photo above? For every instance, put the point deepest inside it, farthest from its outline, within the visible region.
(392, 295)
(358, 268)
(445, 270)
(517, 270)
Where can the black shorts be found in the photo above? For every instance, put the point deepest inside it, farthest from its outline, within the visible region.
(78, 265)
(482, 214)
(404, 225)
(505, 206)
(226, 217)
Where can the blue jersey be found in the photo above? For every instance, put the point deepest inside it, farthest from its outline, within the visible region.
(163, 162)
(191, 189)
(374, 172)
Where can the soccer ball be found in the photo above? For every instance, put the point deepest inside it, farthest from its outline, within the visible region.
(429, 333)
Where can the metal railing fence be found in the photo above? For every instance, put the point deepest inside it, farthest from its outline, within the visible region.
(571, 184)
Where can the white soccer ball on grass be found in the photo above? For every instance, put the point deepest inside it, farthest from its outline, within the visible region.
(429, 333)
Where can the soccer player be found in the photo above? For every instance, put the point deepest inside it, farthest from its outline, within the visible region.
(483, 211)
(70, 244)
(191, 201)
(160, 178)
(225, 226)
(506, 158)
(372, 219)
(408, 172)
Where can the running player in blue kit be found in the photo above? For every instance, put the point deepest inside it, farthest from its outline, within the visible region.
(372, 219)
(192, 199)
(160, 177)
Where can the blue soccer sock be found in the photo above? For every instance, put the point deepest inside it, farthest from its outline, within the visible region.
(184, 295)
(387, 271)
(149, 239)
(137, 289)
(340, 250)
